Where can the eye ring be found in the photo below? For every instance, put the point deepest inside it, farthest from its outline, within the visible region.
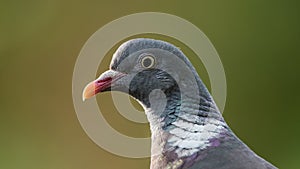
(148, 61)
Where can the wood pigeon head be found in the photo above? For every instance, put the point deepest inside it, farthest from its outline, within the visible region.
(140, 66)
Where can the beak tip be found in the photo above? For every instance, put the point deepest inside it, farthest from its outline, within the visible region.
(88, 91)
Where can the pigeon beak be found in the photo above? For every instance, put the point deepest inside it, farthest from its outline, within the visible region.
(103, 83)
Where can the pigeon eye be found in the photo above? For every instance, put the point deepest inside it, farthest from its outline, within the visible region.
(148, 61)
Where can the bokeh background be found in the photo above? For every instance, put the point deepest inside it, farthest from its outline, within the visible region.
(258, 42)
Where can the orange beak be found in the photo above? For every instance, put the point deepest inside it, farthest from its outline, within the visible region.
(103, 83)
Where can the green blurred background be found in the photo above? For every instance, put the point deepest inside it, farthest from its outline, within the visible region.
(258, 42)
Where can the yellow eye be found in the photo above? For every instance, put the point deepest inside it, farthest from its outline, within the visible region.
(148, 61)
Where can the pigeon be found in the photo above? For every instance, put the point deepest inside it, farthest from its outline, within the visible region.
(187, 128)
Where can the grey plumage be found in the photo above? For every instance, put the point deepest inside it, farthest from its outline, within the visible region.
(188, 131)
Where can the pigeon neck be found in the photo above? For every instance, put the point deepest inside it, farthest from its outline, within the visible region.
(181, 127)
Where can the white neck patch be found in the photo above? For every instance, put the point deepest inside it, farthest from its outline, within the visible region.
(191, 138)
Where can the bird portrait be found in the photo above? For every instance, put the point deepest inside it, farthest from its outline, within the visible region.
(188, 130)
